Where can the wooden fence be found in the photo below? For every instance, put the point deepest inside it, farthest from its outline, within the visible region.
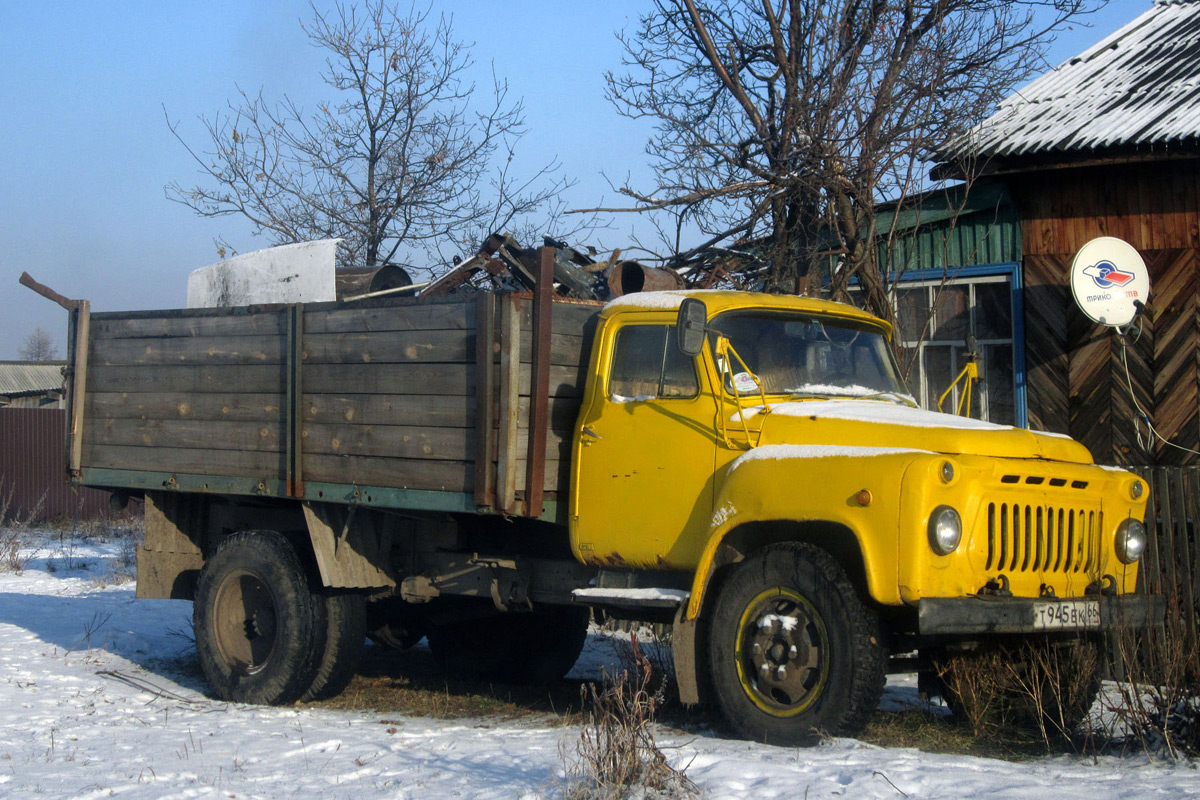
(1171, 565)
(1170, 568)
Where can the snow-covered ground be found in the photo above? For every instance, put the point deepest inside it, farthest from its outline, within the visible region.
(99, 697)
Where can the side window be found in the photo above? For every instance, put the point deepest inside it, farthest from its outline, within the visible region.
(648, 365)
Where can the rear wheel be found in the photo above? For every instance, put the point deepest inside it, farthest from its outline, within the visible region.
(257, 634)
(345, 619)
(794, 653)
(532, 647)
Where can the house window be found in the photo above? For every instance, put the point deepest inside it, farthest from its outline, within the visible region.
(933, 319)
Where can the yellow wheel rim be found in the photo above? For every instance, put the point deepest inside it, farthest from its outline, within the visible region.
(782, 652)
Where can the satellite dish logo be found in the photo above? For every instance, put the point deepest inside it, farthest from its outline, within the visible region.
(1106, 275)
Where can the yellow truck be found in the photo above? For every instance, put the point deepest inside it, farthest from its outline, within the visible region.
(489, 470)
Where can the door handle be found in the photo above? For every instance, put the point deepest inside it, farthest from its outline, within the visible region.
(587, 431)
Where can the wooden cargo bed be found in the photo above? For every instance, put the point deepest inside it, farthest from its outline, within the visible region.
(394, 402)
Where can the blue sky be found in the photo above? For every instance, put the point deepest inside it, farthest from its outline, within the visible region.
(85, 150)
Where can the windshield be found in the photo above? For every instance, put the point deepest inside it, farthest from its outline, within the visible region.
(804, 355)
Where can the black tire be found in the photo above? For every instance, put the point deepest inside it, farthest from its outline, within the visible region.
(794, 653)
(555, 636)
(257, 634)
(536, 647)
(345, 617)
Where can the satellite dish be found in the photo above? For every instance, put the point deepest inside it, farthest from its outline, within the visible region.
(1109, 279)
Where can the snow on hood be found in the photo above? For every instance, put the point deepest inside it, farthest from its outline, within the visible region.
(877, 411)
(852, 423)
(853, 390)
(779, 452)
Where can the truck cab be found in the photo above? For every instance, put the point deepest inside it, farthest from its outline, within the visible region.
(822, 517)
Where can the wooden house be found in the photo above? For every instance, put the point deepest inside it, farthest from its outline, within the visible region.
(1105, 144)
(31, 384)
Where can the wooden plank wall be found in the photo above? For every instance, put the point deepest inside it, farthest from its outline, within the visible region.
(179, 392)
(389, 396)
(388, 393)
(1076, 375)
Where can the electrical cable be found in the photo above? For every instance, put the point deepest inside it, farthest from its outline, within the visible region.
(1152, 432)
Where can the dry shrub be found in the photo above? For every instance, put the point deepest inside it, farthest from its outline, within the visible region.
(14, 554)
(1157, 703)
(646, 643)
(1042, 686)
(617, 756)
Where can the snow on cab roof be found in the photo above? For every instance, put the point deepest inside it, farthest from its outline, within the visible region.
(719, 300)
(1137, 87)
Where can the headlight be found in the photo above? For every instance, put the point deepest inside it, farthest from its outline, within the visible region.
(945, 530)
(1131, 540)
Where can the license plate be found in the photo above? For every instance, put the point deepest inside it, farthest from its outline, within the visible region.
(1066, 614)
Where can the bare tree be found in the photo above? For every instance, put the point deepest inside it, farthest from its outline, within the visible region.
(407, 157)
(38, 346)
(787, 121)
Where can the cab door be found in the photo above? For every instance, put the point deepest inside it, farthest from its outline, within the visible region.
(644, 452)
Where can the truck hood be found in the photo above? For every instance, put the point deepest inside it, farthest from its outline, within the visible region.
(875, 423)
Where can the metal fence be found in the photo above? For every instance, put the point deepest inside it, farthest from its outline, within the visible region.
(33, 468)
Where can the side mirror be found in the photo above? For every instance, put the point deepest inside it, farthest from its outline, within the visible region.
(690, 327)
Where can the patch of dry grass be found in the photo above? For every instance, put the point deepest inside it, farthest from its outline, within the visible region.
(409, 682)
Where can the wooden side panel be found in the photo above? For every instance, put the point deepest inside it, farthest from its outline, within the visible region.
(374, 380)
(1103, 383)
(1151, 206)
(187, 392)
(451, 316)
(1046, 301)
(389, 394)
(1175, 317)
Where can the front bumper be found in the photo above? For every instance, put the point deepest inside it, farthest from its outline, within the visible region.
(961, 615)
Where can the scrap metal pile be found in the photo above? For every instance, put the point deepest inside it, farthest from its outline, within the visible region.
(502, 264)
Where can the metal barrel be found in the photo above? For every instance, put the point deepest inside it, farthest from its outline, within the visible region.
(350, 281)
(627, 277)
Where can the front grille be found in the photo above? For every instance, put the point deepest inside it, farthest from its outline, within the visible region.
(1036, 538)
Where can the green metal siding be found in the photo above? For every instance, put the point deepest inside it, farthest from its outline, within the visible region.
(948, 232)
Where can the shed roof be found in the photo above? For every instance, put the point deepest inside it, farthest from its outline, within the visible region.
(1138, 89)
(30, 377)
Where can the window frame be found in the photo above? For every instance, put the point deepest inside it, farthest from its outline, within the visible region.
(1005, 271)
(668, 340)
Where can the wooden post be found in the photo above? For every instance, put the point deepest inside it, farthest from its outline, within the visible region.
(510, 400)
(294, 426)
(82, 321)
(80, 312)
(485, 395)
(539, 391)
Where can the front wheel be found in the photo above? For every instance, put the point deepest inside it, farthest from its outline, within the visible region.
(259, 634)
(793, 651)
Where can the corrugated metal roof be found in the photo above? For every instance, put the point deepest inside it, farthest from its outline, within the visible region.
(30, 377)
(1138, 88)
